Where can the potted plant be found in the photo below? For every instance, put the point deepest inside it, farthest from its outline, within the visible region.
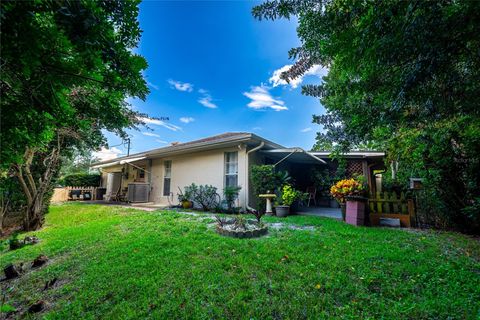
(289, 195)
(348, 190)
(185, 199)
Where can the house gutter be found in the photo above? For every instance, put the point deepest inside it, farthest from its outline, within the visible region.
(247, 174)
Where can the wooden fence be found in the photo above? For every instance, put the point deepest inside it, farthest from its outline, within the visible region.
(389, 205)
(80, 193)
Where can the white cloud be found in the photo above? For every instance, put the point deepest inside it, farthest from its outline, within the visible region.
(207, 99)
(262, 99)
(256, 128)
(160, 123)
(306, 129)
(161, 141)
(107, 154)
(153, 86)
(181, 86)
(150, 134)
(187, 119)
(315, 70)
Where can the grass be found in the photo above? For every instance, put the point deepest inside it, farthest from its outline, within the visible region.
(121, 263)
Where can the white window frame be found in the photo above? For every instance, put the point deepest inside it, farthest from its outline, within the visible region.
(167, 175)
(225, 172)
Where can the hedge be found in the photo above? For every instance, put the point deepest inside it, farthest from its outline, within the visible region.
(81, 180)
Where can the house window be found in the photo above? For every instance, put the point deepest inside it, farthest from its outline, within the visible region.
(231, 169)
(167, 177)
(141, 174)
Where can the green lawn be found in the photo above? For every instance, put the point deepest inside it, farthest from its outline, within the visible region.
(119, 263)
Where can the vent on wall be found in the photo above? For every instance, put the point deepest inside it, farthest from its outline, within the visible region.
(138, 192)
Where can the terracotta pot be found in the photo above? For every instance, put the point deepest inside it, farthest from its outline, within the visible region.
(282, 211)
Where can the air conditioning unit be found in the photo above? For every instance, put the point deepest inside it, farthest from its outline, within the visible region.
(138, 192)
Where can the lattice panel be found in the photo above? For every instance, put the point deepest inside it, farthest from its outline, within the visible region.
(354, 167)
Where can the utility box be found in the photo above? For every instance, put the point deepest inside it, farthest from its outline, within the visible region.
(138, 192)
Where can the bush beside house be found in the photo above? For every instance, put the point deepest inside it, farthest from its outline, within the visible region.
(81, 180)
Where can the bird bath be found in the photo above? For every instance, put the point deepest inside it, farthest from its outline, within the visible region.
(269, 197)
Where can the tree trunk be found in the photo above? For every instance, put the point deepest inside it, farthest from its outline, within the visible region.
(36, 189)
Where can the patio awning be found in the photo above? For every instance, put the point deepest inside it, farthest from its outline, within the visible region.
(114, 163)
(132, 160)
(292, 154)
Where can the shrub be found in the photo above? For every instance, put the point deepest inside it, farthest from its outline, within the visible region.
(81, 180)
(263, 179)
(205, 196)
(185, 195)
(288, 195)
(231, 194)
(266, 180)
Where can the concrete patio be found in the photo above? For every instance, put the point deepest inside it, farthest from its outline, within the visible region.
(328, 212)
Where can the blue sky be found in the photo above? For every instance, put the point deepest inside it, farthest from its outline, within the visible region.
(210, 71)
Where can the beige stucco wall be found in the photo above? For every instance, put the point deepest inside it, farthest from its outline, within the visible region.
(205, 167)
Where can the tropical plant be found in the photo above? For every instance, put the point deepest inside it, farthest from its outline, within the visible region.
(282, 178)
(221, 221)
(231, 195)
(205, 196)
(348, 187)
(240, 222)
(289, 195)
(186, 195)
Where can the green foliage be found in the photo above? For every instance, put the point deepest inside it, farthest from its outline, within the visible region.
(289, 195)
(264, 179)
(205, 196)
(403, 77)
(231, 195)
(67, 69)
(322, 180)
(81, 180)
(77, 161)
(67, 65)
(186, 195)
(397, 274)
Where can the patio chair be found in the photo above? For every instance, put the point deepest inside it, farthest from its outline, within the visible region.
(312, 192)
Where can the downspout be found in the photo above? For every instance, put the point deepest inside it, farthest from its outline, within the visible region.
(247, 173)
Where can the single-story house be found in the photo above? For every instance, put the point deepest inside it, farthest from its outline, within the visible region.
(158, 175)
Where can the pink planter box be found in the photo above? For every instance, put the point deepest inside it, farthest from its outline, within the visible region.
(355, 213)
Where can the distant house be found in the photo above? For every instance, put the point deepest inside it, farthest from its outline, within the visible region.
(223, 160)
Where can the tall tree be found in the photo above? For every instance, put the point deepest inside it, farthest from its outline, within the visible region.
(67, 68)
(405, 74)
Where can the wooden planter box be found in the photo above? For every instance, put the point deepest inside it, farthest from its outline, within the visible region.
(390, 205)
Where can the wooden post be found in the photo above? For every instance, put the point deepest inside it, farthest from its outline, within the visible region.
(379, 203)
(411, 211)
